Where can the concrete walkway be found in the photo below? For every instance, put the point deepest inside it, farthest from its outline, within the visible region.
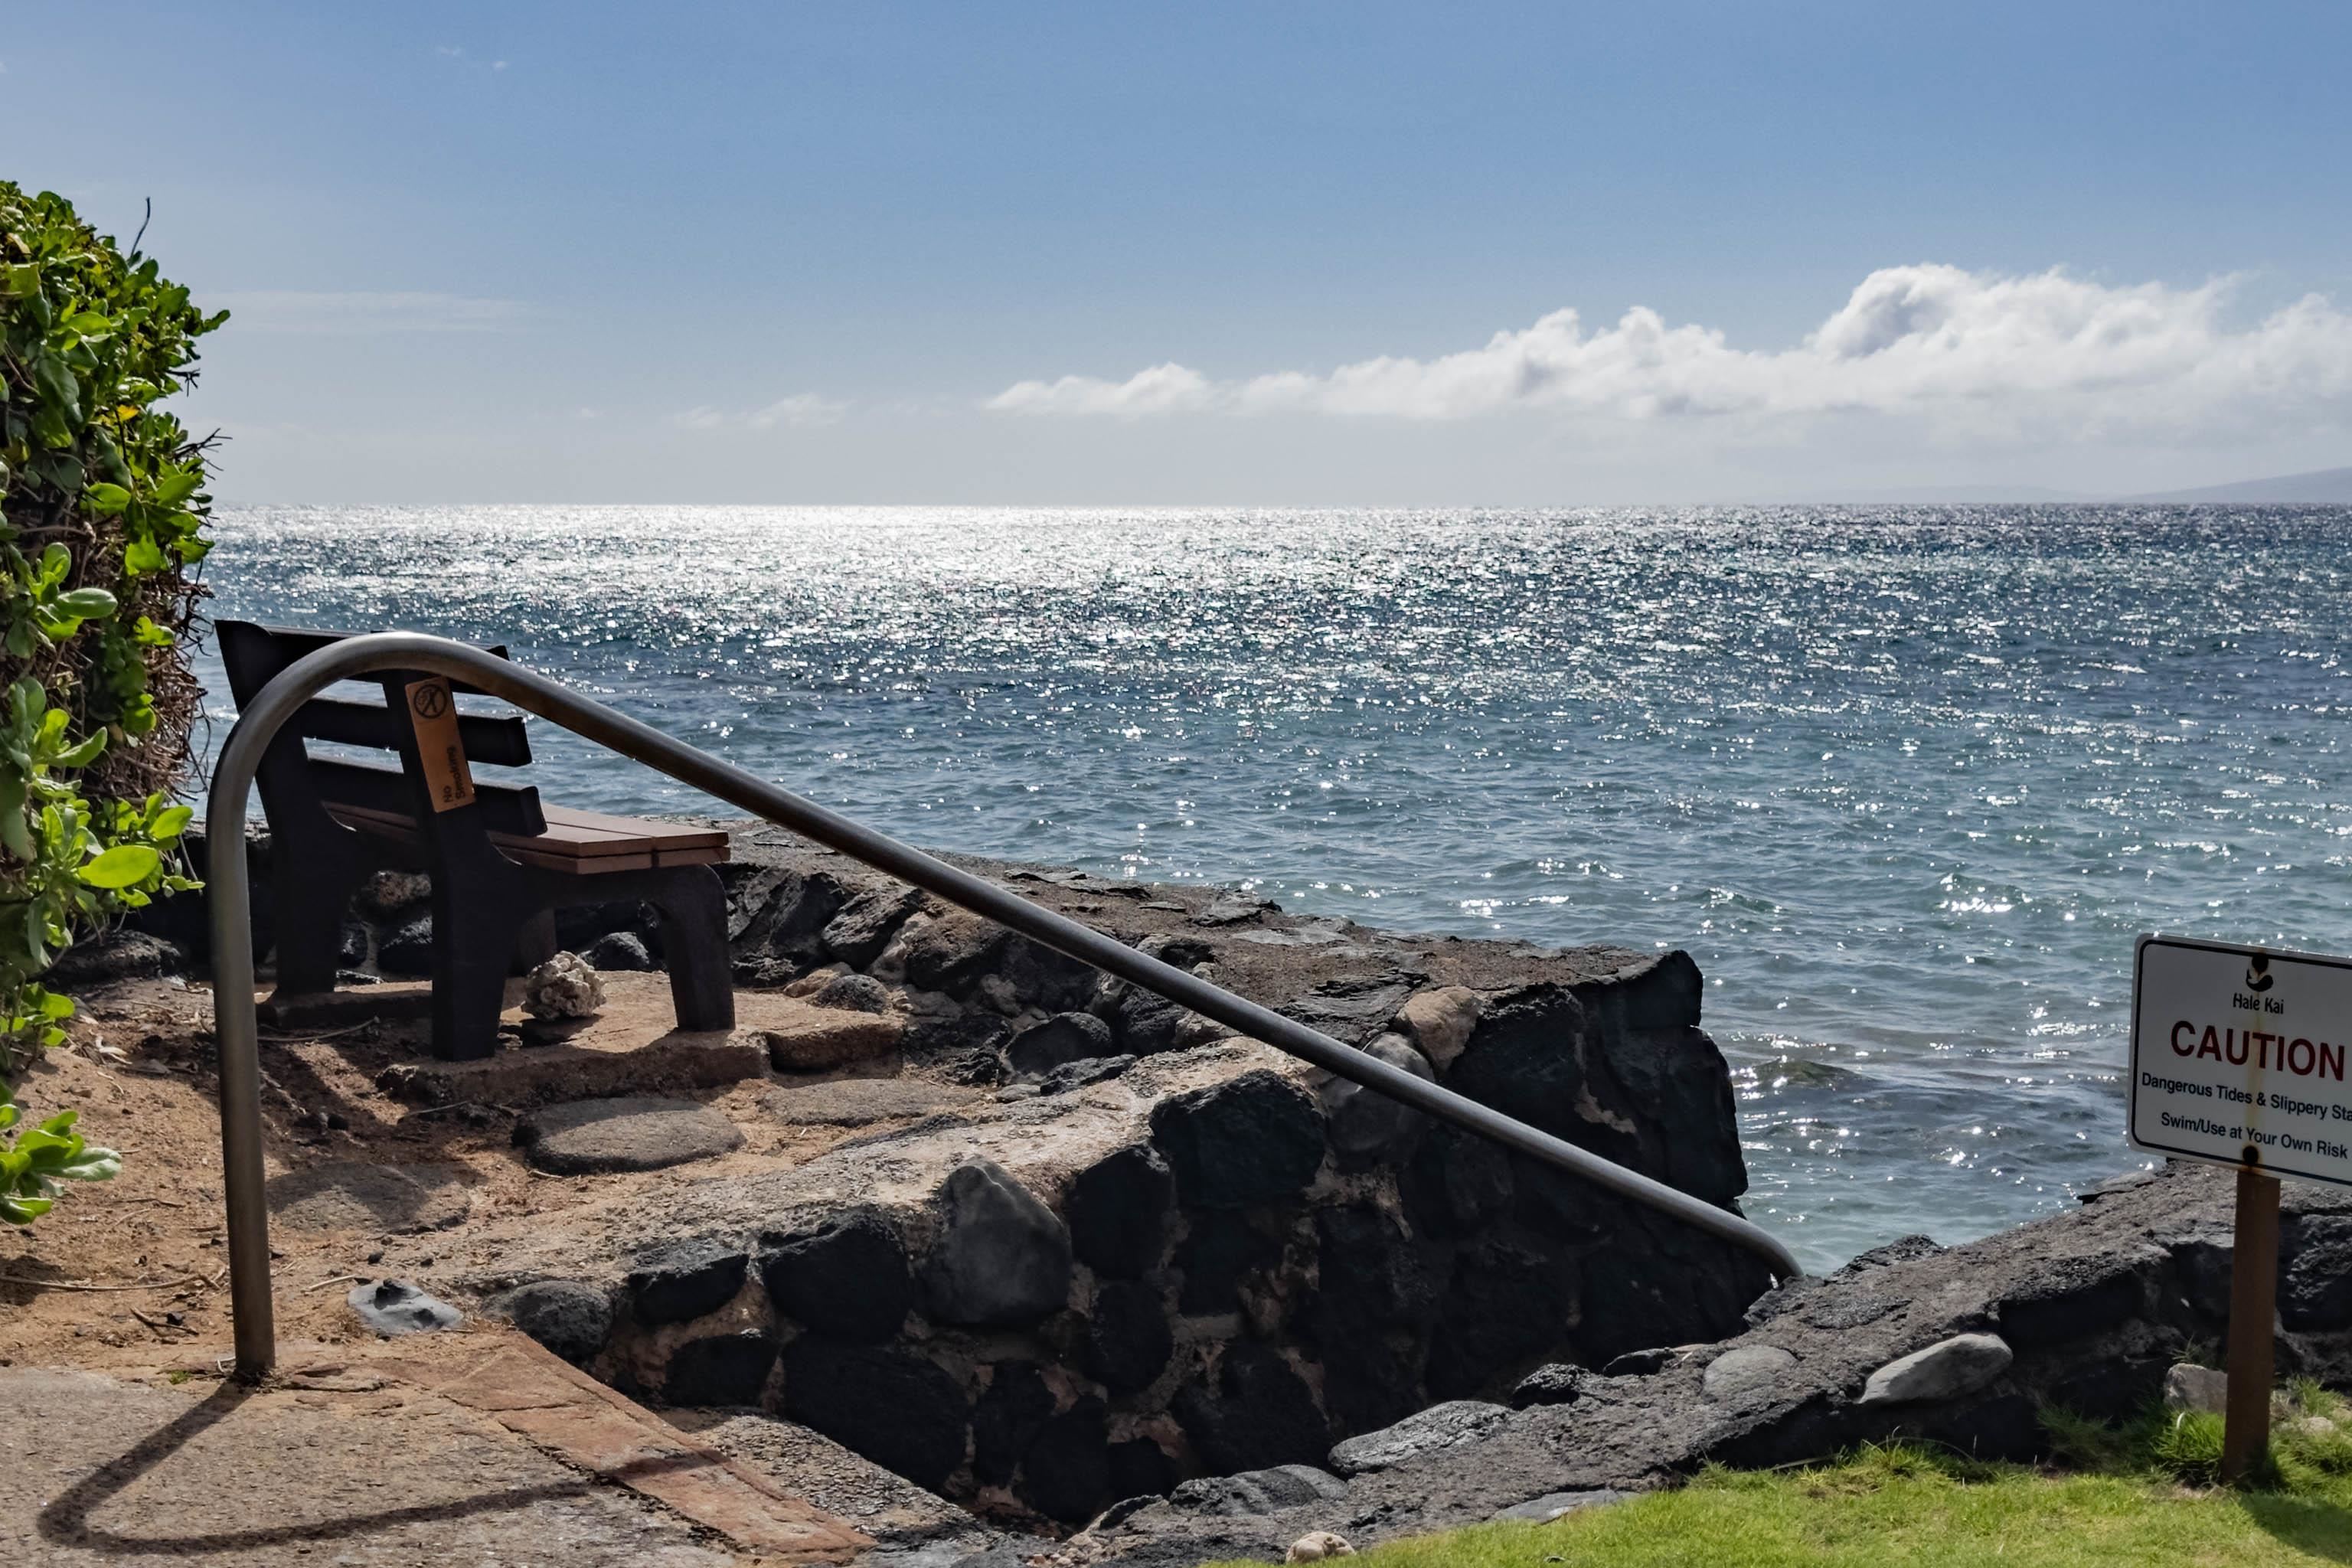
(478, 1450)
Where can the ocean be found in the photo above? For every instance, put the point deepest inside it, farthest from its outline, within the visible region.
(1907, 783)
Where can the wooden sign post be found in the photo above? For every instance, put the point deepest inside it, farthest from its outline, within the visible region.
(2238, 1060)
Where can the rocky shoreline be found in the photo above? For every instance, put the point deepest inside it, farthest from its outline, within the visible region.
(1068, 1258)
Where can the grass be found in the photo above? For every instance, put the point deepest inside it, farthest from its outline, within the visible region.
(2140, 1493)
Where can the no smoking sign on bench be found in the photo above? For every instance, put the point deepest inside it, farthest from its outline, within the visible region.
(2238, 1058)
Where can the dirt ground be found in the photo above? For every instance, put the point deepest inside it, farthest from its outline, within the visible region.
(119, 1270)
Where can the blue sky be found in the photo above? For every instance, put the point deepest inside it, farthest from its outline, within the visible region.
(1112, 253)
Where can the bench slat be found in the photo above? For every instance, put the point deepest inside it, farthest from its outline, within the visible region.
(547, 852)
(256, 654)
(661, 836)
(506, 808)
(494, 743)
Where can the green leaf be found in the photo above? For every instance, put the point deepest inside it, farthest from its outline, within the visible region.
(144, 557)
(175, 485)
(172, 821)
(107, 499)
(54, 380)
(93, 1164)
(88, 750)
(25, 1211)
(122, 867)
(87, 604)
(89, 324)
(16, 832)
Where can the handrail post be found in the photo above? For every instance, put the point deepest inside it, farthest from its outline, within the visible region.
(237, 1025)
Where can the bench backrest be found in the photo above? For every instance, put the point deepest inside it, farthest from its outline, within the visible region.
(256, 654)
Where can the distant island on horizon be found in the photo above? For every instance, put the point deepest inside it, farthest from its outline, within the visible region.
(2320, 486)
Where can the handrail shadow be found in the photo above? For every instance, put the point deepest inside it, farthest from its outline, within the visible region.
(66, 1521)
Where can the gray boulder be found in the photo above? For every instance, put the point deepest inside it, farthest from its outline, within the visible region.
(1365, 1121)
(864, 925)
(632, 1133)
(1948, 1369)
(1002, 1257)
(1438, 1427)
(2188, 1387)
(390, 1307)
(1746, 1371)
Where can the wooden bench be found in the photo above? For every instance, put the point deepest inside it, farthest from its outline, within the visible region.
(502, 861)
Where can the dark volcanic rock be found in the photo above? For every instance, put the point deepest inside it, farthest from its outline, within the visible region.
(585, 1137)
(1504, 1306)
(620, 949)
(722, 1370)
(1128, 1338)
(848, 1278)
(779, 916)
(1042, 978)
(1221, 1250)
(1007, 1419)
(900, 1410)
(1455, 1183)
(1080, 1073)
(1066, 1474)
(1143, 1022)
(864, 927)
(1373, 1275)
(1139, 1467)
(1261, 1413)
(854, 993)
(681, 1280)
(1064, 1038)
(407, 950)
(570, 1318)
(1261, 1491)
(1558, 1383)
(2316, 1291)
(1255, 1139)
(1426, 1432)
(1526, 1058)
(1352, 1008)
(2076, 1297)
(951, 952)
(1119, 1211)
(1642, 1026)
(1001, 1256)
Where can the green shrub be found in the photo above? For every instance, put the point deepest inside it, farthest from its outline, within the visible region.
(102, 506)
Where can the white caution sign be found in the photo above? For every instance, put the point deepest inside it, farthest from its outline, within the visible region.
(2238, 1058)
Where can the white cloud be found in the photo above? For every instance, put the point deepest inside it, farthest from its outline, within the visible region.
(2047, 351)
(1164, 389)
(297, 311)
(800, 411)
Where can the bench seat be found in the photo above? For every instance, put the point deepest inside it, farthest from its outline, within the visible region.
(583, 843)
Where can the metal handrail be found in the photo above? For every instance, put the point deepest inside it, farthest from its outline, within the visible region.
(236, 1023)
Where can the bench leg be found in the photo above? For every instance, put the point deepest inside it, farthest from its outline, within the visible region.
(693, 905)
(536, 945)
(472, 942)
(309, 898)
